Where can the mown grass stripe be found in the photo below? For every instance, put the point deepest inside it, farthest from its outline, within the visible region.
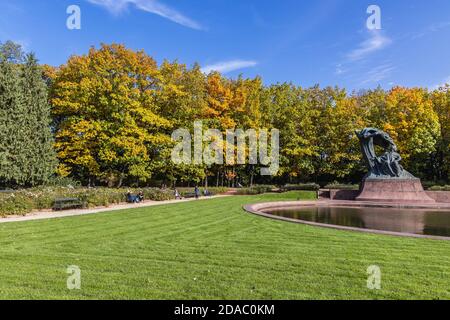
(157, 252)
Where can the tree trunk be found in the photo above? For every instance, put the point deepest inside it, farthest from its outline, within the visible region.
(120, 181)
(217, 179)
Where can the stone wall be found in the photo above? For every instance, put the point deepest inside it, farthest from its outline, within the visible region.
(438, 196)
(343, 194)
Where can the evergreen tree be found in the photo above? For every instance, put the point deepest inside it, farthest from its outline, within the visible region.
(11, 52)
(13, 160)
(27, 157)
(42, 157)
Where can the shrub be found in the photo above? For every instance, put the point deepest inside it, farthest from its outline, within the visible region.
(435, 186)
(100, 197)
(258, 189)
(214, 190)
(301, 187)
(158, 194)
(218, 190)
(58, 181)
(15, 204)
(27, 200)
(341, 186)
(247, 191)
(439, 188)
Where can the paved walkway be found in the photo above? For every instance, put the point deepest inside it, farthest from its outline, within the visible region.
(39, 215)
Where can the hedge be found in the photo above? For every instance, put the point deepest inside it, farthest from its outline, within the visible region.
(439, 188)
(24, 201)
(301, 187)
(340, 186)
(214, 190)
(259, 189)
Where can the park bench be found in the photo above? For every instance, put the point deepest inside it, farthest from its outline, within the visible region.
(202, 194)
(189, 195)
(67, 203)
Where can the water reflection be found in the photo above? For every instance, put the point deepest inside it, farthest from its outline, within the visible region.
(414, 221)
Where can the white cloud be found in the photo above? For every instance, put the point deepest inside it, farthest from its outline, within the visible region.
(228, 66)
(379, 73)
(340, 69)
(435, 27)
(152, 6)
(375, 42)
(442, 84)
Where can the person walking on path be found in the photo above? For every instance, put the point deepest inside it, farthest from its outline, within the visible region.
(197, 192)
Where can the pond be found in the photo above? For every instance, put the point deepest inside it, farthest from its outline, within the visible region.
(412, 221)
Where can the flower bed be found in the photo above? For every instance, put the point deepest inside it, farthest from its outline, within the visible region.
(24, 201)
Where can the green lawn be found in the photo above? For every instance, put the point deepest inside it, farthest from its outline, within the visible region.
(212, 250)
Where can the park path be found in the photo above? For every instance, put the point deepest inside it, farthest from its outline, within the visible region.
(40, 215)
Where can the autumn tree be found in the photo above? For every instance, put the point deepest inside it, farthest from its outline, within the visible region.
(114, 111)
(440, 160)
(182, 100)
(285, 107)
(407, 115)
(108, 125)
(217, 111)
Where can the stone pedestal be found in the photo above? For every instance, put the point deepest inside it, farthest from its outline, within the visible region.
(393, 190)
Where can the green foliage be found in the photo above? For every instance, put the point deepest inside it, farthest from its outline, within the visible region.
(213, 190)
(257, 189)
(439, 188)
(201, 249)
(439, 161)
(158, 194)
(341, 186)
(301, 186)
(15, 204)
(11, 52)
(26, 200)
(109, 144)
(59, 181)
(27, 157)
(108, 125)
(114, 110)
(41, 155)
(12, 161)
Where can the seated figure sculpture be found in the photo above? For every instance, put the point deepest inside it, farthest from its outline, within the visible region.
(386, 166)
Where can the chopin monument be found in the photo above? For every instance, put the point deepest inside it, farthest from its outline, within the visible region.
(390, 200)
(386, 180)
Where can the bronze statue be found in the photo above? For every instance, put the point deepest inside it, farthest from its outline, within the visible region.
(386, 166)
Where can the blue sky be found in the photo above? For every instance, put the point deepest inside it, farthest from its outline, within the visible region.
(304, 42)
